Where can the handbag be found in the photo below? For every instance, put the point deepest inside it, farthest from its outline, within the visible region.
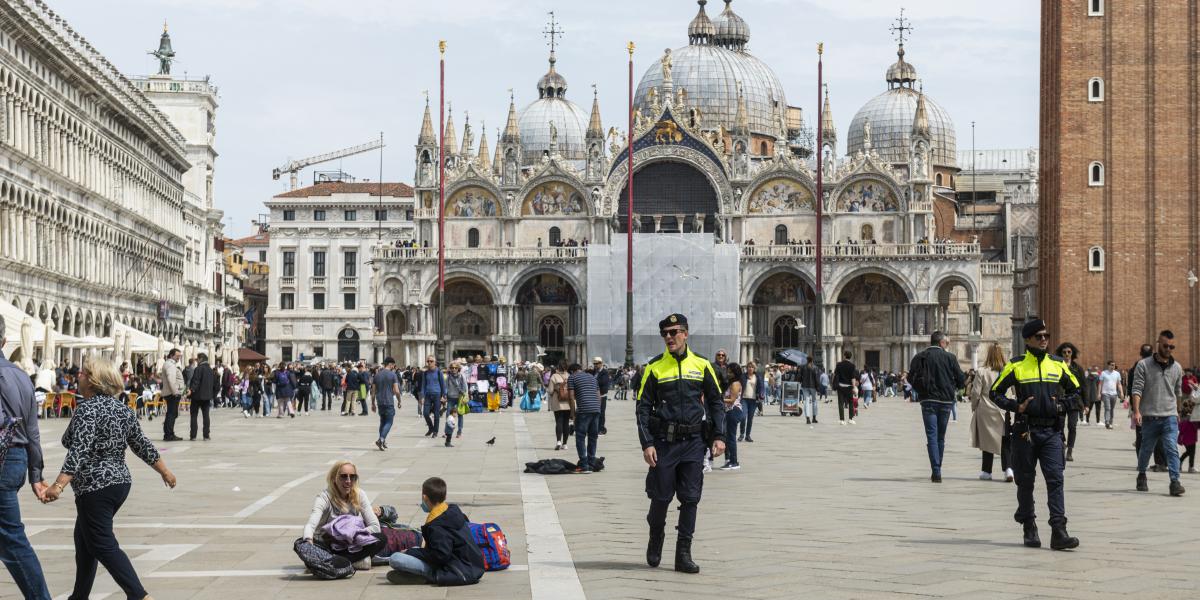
(463, 406)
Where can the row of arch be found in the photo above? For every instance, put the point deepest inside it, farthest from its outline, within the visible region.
(82, 322)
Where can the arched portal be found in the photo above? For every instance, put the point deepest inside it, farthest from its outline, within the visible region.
(396, 325)
(871, 316)
(549, 318)
(783, 298)
(348, 346)
(671, 189)
(958, 317)
(470, 317)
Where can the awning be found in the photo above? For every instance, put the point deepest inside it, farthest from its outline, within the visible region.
(249, 355)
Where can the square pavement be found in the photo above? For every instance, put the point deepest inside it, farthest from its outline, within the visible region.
(828, 511)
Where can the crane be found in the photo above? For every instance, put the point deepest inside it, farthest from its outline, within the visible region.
(295, 166)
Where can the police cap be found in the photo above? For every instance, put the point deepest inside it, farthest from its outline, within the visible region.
(1032, 327)
(671, 320)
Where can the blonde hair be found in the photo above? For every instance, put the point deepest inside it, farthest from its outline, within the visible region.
(995, 358)
(103, 376)
(335, 494)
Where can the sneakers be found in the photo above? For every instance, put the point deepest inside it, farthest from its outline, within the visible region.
(379, 444)
(1070, 454)
(985, 476)
(557, 447)
(1191, 469)
(404, 578)
(1176, 488)
(736, 466)
(841, 422)
(245, 414)
(707, 468)
(748, 440)
(852, 422)
(363, 565)
(727, 466)
(740, 438)
(1008, 475)
(1141, 483)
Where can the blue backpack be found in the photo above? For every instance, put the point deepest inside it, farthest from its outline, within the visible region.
(492, 544)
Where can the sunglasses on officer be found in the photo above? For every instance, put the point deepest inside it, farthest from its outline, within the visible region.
(666, 333)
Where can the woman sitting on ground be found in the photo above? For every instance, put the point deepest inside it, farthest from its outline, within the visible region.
(342, 496)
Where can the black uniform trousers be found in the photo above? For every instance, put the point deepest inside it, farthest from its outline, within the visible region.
(199, 408)
(679, 473)
(172, 414)
(1045, 446)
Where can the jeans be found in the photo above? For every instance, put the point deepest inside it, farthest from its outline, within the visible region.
(95, 542)
(808, 402)
(15, 550)
(733, 416)
(603, 410)
(1160, 432)
(751, 407)
(1045, 446)
(1110, 404)
(172, 414)
(284, 405)
(411, 564)
(387, 413)
(326, 399)
(587, 430)
(246, 401)
(1072, 427)
(936, 416)
(430, 410)
(268, 403)
(198, 407)
(954, 410)
(867, 396)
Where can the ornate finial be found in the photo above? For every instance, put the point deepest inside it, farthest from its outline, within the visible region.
(820, 48)
(901, 28)
(595, 92)
(630, 47)
(426, 92)
(552, 31)
(164, 25)
(442, 47)
(511, 96)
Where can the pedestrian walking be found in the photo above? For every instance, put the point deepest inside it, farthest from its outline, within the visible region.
(1157, 391)
(1070, 355)
(936, 377)
(173, 388)
(679, 415)
(585, 397)
(810, 382)
(603, 382)
(729, 378)
(1111, 390)
(285, 391)
(989, 424)
(1042, 382)
(387, 399)
(431, 389)
(457, 396)
(754, 394)
(845, 377)
(20, 459)
(560, 403)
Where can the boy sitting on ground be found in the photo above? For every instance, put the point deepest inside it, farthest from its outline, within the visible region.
(450, 556)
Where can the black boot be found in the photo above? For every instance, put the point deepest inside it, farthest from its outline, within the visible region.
(654, 547)
(683, 557)
(1060, 539)
(1070, 456)
(1031, 535)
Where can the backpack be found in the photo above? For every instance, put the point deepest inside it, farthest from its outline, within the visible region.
(8, 428)
(322, 563)
(492, 544)
(281, 378)
(399, 540)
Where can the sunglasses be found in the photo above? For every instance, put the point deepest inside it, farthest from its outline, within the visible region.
(1042, 336)
(348, 476)
(670, 332)
(1168, 346)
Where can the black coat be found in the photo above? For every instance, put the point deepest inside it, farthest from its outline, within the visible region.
(204, 384)
(941, 377)
(449, 549)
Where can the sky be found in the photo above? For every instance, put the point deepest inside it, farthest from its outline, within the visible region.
(304, 77)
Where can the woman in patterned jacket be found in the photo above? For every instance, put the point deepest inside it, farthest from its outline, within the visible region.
(95, 468)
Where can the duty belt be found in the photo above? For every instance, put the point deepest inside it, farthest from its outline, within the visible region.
(1041, 421)
(675, 431)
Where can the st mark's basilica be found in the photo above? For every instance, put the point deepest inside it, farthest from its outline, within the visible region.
(719, 155)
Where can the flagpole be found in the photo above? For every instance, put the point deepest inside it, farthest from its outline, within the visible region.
(440, 344)
(629, 227)
(819, 320)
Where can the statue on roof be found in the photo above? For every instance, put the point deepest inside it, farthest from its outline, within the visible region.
(164, 54)
(666, 65)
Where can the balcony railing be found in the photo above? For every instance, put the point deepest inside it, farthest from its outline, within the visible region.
(349, 282)
(287, 282)
(425, 213)
(1002, 269)
(317, 282)
(862, 251)
(483, 254)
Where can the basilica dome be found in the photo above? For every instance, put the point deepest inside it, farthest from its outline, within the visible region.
(552, 106)
(711, 68)
(891, 116)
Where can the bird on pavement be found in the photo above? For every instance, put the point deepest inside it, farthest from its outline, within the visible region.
(491, 442)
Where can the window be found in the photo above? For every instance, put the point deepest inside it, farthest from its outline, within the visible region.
(287, 301)
(348, 301)
(262, 256)
(937, 179)
(351, 215)
(781, 237)
(550, 332)
(1095, 8)
(786, 332)
(350, 264)
(1096, 259)
(1096, 174)
(318, 215)
(408, 215)
(289, 215)
(472, 238)
(555, 236)
(289, 263)
(381, 214)
(763, 149)
(319, 263)
(319, 301)
(1095, 90)
(318, 351)
(286, 352)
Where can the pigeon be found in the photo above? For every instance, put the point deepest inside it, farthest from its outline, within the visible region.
(491, 442)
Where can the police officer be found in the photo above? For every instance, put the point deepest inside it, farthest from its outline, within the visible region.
(679, 414)
(1045, 387)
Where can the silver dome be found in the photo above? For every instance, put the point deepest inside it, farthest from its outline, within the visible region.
(711, 75)
(534, 125)
(891, 114)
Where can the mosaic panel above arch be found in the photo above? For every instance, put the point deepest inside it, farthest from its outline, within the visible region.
(554, 198)
(472, 201)
(778, 196)
(868, 195)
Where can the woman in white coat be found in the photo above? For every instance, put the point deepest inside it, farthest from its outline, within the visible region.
(990, 425)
